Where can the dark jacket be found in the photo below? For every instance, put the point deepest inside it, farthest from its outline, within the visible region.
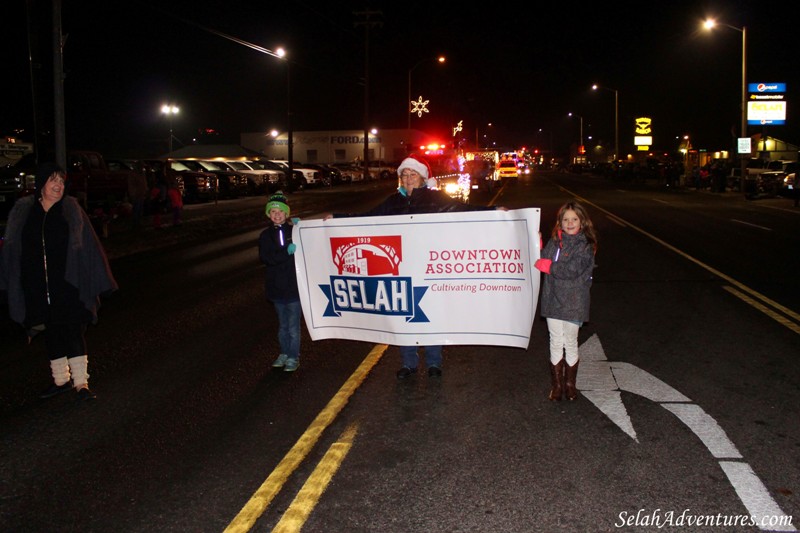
(280, 280)
(84, 263)
(565, 290)
(422, 200)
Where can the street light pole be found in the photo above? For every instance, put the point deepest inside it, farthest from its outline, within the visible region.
(440, 59)
(616, 117)
(290, 135)
(170, 110)
(616, 125)
(743, 165)
(581, 130)
(709, 24)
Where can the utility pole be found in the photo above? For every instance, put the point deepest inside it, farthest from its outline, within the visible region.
(367, 23)
(58, 87)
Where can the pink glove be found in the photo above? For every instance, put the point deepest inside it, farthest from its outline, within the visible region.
(543, 265)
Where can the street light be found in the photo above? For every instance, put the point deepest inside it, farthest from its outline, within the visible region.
(290, 146)
(580, 147)
(708, 25)
(440, 59)
(616, 117)
(170, 110)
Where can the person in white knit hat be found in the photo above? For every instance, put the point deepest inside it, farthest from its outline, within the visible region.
(414, 196)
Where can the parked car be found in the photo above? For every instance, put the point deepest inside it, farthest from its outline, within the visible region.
(312, 176)
(16, 180)
(770, 181)
(350, 172)
(308, 176)
(330, 175)
(258, 179)
(335, 175)
(790, 180)
(278, 176)
(195, 186)
(230, 183)
(93, 182)
(133, 165)
(382, 170)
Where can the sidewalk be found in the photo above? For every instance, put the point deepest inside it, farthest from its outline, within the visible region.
(782, 201)
(198, 222)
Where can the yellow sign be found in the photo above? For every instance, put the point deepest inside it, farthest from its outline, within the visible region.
(644, 125)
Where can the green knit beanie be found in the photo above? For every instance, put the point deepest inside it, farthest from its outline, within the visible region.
(277, 201)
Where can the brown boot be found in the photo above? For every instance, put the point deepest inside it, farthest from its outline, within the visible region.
(556, 381)
(572, 377)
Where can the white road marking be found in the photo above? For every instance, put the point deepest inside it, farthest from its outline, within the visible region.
(602, 382)
(754, 495)
(750, 224)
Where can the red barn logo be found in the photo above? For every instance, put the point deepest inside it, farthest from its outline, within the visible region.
(367, 256)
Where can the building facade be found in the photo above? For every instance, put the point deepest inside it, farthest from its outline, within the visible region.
(343, 146)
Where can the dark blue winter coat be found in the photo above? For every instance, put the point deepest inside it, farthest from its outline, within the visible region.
(280, 279)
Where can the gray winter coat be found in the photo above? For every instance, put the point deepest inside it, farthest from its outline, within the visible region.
(565, 290)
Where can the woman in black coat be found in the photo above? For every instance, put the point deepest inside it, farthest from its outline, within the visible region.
(55, 269)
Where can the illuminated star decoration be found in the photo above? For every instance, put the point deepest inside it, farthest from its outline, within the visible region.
(419, 107)
(457, 128)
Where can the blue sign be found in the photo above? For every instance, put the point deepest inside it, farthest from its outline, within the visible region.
(766, 122)
(766, 87)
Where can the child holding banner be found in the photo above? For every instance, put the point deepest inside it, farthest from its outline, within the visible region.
(568, 261)
(414, 197)
(276, 251)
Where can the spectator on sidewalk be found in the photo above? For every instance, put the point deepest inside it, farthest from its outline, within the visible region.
(54, 269)
(137, 193)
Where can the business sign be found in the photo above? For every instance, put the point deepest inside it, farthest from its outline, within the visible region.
(766, 113)
(765, 104)
(766, 88)
(744, 145)
(406, 280)
(642, 138)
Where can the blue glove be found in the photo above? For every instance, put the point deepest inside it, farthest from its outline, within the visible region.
(295, 221)
(291, 248)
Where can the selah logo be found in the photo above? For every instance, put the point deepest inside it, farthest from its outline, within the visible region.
(369, 279)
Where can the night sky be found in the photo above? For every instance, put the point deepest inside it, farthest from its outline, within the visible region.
(520, 69)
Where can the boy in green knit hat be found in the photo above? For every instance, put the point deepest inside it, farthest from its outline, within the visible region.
(276, 251)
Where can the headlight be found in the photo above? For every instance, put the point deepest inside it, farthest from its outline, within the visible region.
(452, 188)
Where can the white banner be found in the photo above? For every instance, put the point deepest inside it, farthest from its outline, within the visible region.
(433, 279)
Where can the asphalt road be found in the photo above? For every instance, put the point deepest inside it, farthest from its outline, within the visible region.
(693, 321)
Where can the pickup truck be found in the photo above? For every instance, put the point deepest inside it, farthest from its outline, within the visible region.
(93, 182)
(771, 182)
(382, 170)
(88, 176)
(16, 181)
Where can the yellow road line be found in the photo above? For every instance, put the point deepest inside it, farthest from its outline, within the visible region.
(305, 501)
(782, 320)
(261, 499)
